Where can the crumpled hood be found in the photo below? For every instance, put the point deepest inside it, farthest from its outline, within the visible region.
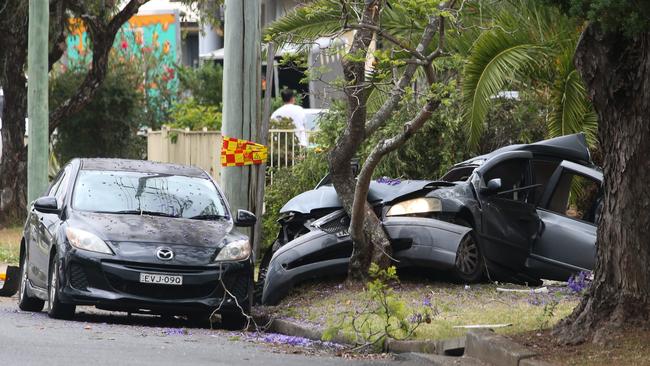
(326, 197)
(152, 229)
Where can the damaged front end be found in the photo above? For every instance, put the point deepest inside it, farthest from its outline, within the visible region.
(326, 250)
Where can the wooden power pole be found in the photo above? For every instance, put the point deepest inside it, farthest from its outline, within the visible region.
(37, 105)
(241, 94)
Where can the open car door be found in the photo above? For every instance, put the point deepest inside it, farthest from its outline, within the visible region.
(569, 210)
(509, 222)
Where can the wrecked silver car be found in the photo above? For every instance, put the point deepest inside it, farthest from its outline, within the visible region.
(520, 213)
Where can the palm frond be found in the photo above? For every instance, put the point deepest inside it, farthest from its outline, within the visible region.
(496, 57)
(304, 24)
(572, 111)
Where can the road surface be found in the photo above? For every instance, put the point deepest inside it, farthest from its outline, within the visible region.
(100, 338)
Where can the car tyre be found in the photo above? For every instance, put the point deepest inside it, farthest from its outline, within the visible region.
(470, 264)
(25, 301)
(57, 309)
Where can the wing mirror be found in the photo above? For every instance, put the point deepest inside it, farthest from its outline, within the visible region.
(47, 204)
(245, 218)
(493, 186)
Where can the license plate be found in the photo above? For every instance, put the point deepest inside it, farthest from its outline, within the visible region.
(161, 279)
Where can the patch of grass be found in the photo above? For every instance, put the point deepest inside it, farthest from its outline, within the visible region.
(457, 305)
(10, 245)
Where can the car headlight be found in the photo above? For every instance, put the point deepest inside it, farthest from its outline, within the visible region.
(84, 240)
(415, 206)
(235, 251)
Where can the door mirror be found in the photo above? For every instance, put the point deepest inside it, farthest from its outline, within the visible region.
(47, 204)
(493, 186)
(245, 218)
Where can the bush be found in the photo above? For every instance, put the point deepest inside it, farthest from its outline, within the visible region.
(107, 127)
(204, 84)
(190, 114)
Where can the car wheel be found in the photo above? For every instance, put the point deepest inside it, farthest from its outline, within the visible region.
(470, 264)
(57, 309)
(261, 276)
(25, 301)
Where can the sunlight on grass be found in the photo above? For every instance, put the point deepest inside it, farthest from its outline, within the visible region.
(456, 305)
(10, 245)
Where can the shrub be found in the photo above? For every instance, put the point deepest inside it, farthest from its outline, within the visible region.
(107, 127)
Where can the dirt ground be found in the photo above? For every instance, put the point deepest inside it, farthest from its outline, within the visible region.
(628, 347)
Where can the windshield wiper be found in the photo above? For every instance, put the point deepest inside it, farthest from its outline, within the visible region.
(209, 217)
(139, 212)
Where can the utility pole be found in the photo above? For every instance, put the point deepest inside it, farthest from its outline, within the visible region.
(241, 94)
(37, 105)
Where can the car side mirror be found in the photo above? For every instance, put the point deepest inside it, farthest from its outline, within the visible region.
(47, 204)
(245, 218)
(493, 186)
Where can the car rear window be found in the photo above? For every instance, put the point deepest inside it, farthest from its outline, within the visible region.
(122, 191)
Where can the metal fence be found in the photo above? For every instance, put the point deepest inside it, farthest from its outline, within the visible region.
(203, 149)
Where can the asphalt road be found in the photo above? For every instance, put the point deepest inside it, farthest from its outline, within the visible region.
(101, 338)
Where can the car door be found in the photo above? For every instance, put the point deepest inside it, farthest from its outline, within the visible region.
(509, 222)
(569, 210)
(46, 226)
(38, 265)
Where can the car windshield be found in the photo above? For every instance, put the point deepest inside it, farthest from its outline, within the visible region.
(148, 193)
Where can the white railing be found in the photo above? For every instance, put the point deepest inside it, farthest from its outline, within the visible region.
(284, 149)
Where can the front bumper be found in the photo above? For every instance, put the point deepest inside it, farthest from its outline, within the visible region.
(113, 284)
(431, 243)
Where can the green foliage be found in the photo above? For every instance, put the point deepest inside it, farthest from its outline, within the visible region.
(384, 314)
(192, 115)
(303, 24)
(529, 46)
(545, 318)
(204, 84)
(627, 16)
(107, 127)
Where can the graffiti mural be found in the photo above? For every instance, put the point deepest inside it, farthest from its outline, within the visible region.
(150, 42)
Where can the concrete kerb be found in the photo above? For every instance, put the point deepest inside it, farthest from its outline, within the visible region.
(291, 328)
(495, 349)
(480, 345)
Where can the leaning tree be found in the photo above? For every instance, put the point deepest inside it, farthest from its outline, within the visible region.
(394, 49)
(613, 57)
(102, 19)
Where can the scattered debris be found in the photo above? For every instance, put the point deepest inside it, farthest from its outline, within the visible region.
(541, 290)
(482, 326)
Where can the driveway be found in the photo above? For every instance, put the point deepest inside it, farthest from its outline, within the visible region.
(102, 338)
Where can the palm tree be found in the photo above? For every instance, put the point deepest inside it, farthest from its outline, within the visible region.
(527, 46)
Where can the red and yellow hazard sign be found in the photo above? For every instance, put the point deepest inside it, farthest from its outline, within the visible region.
(236, 152)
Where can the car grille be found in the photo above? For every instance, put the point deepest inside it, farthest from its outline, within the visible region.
(340, 225)
(162, 292)
(78, 277)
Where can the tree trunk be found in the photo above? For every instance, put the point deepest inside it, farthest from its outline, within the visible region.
(616, 70)
(13, 167)
(356, 91)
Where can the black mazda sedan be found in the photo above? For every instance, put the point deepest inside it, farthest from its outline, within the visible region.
(136, 236)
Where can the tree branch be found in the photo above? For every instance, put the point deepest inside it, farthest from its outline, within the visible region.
(102, 35)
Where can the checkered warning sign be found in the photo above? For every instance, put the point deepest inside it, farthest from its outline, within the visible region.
(236, 152)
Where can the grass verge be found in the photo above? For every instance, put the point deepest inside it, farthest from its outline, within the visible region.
(321, 304)
(10, 245)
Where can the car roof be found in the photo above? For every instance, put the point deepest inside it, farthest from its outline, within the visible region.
(569, 147)
(143, 166)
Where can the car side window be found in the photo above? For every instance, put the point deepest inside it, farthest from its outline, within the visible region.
(513, 174)
(542, 172)
(577, 197)
(56, 183)
(61, 189)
